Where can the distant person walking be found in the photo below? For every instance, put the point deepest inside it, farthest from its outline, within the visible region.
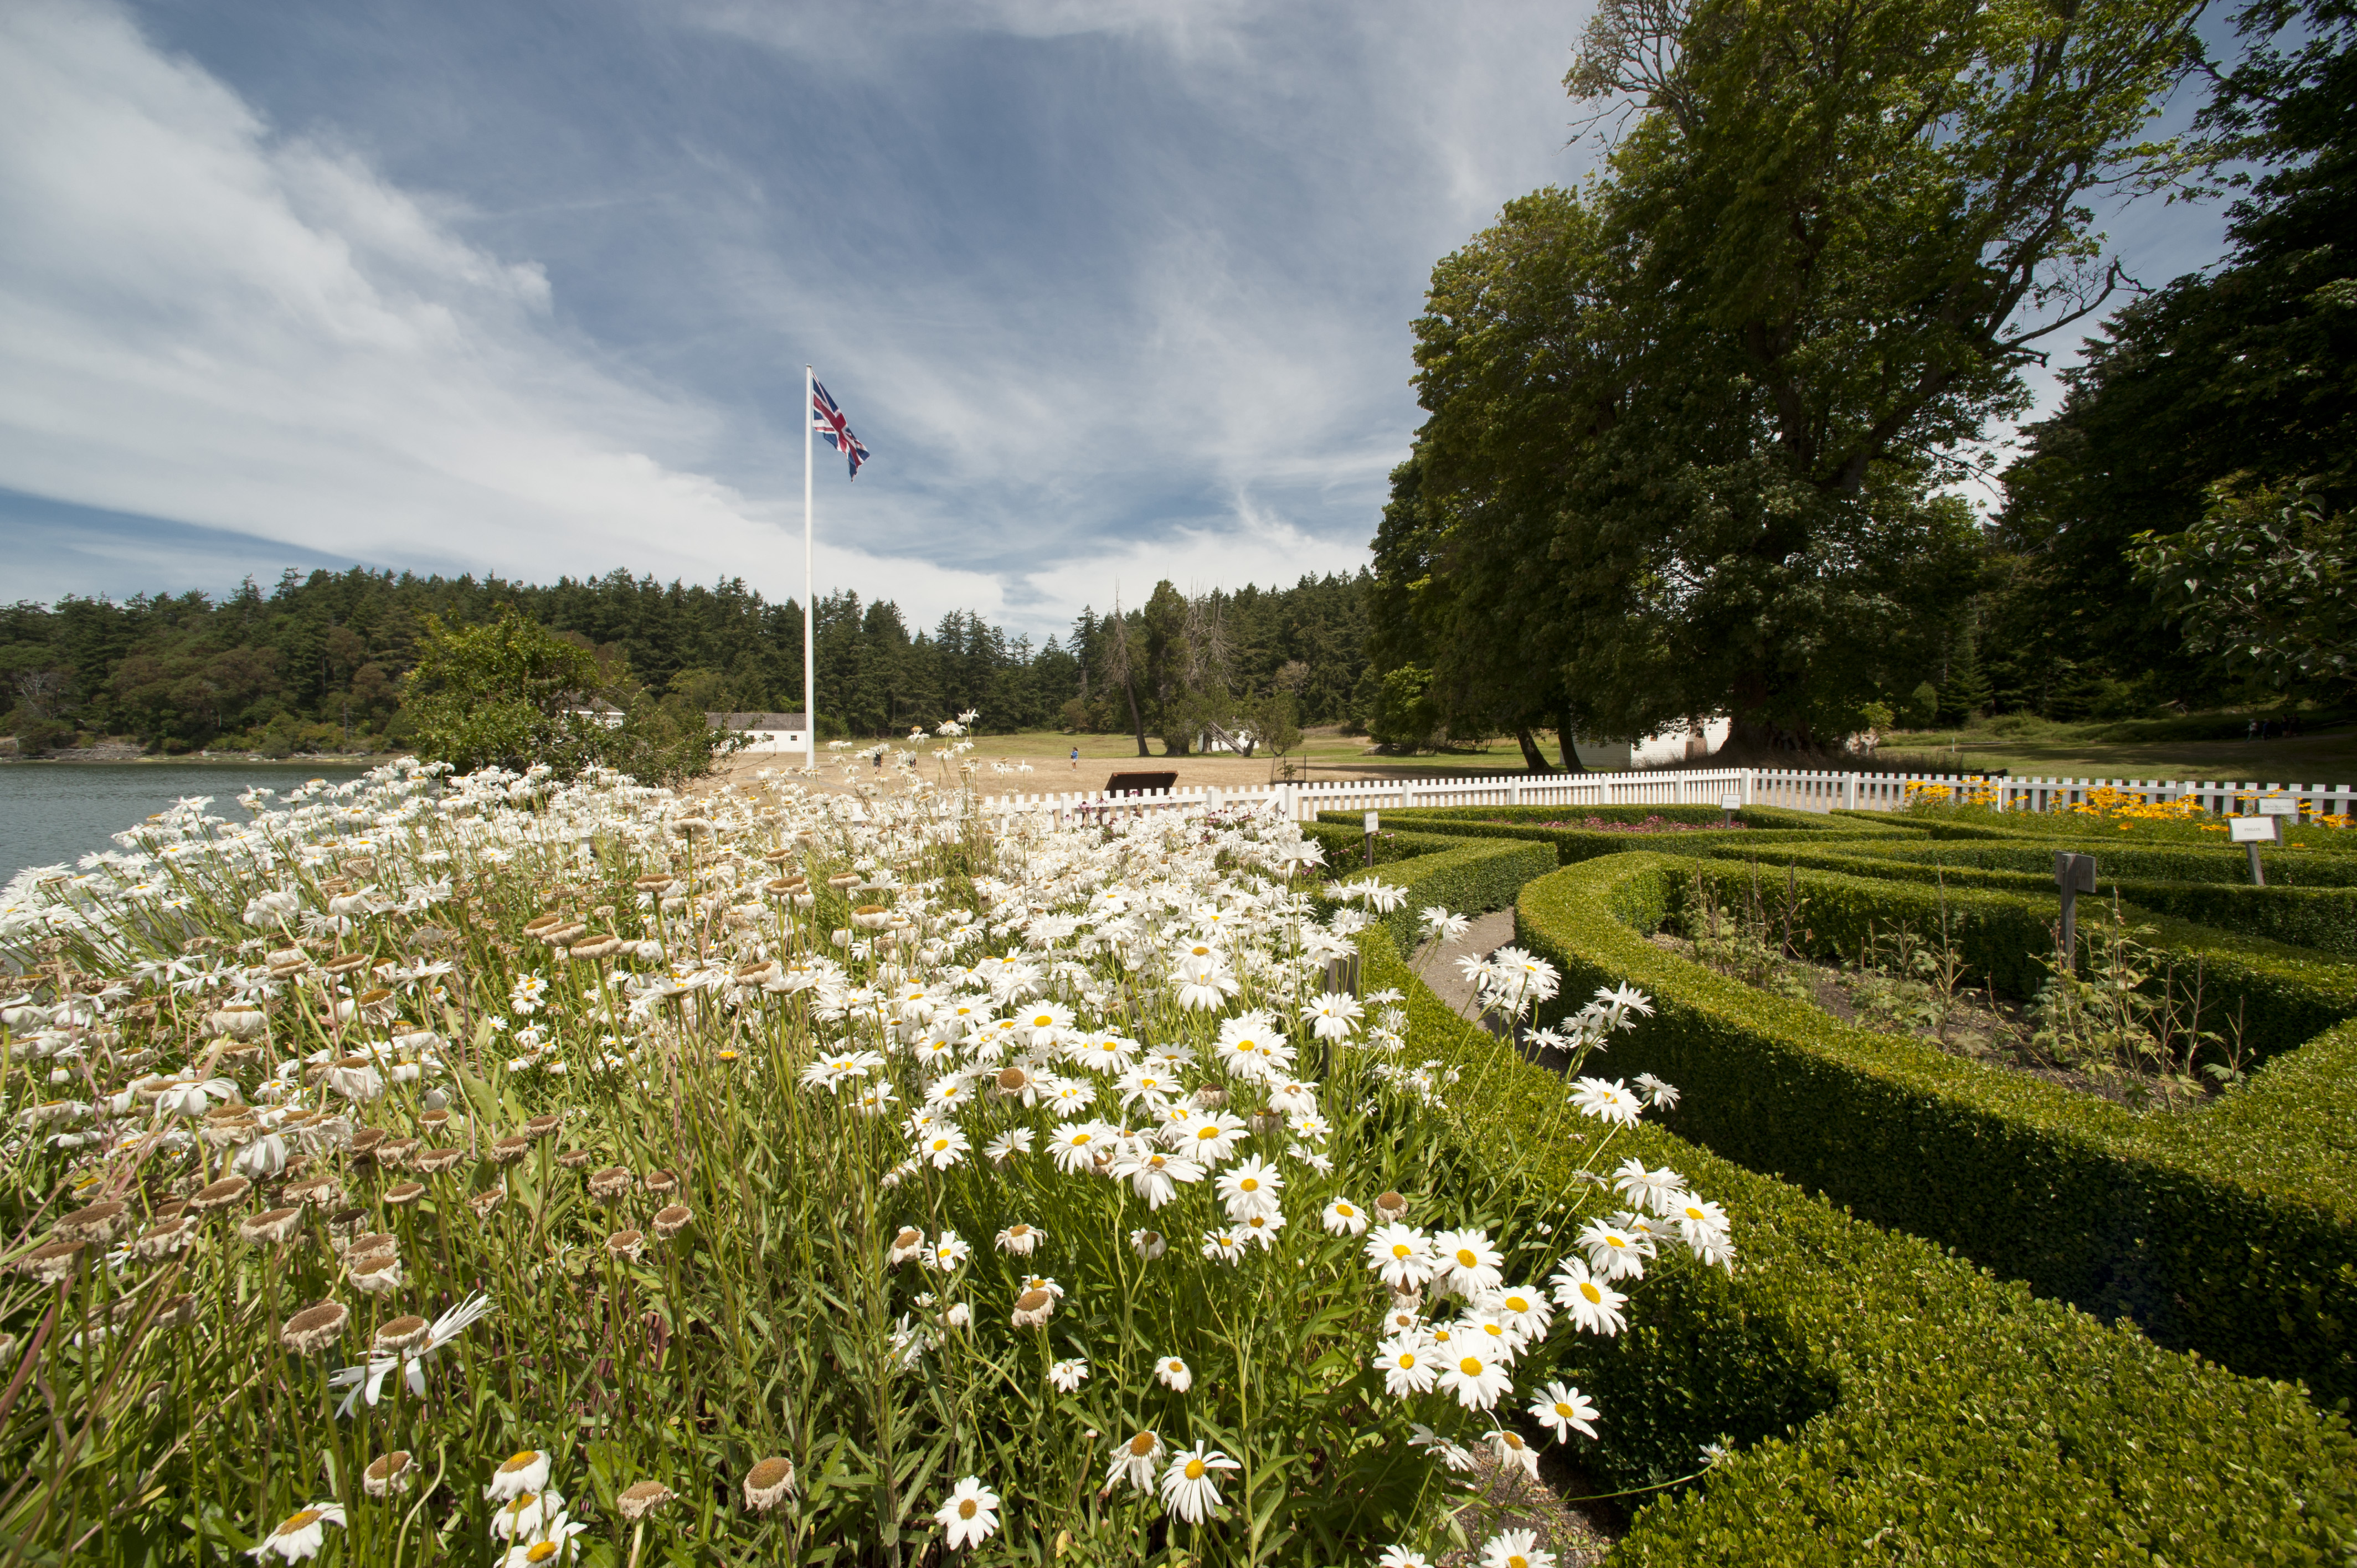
(1076, 759)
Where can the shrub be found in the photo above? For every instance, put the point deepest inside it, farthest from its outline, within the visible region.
(1885, 1398)
(513, 694)
(2289, 992)
(1983, 822)
(2232, 1230)
(1469, 878)
(2285, 867)
(2321, 917)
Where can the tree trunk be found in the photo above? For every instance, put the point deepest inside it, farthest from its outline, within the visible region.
(1532, 757)
(1566, 743)
(1137, 719)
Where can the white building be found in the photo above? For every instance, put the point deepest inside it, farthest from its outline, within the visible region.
(1678, 742)
(764, 731)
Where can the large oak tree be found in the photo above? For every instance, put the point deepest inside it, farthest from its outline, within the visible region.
(1690, 424)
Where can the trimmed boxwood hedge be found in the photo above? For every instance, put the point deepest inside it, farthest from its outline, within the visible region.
(1888, 1401)
(1766, 825)
(2232, 1228)
(2322, 917)
(2042, 826)
(2287, 866)
(1468, 878)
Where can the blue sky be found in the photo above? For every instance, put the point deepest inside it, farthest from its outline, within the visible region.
(1114, 291)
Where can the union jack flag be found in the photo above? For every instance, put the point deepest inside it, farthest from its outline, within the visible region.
(834, 429)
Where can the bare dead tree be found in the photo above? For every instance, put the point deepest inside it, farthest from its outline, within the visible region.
(1121, 669)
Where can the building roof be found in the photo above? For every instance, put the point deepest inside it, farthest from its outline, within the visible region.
(754, 721)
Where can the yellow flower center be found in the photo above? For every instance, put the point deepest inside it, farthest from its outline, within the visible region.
(296, 1521)
(542, 1551)
(1693, 1213)
(1564, 1411)
(1615, 1240)
(968, 1508)
(1407, 1359)
(1177, 1367)
(1042, 1020)
(1595, 1297)
(1517, 1560)
(1250, 1184)
(1465, 1258)
(940, 1144)
(1470, 1366)
(519, 1461)
(1194, 1469)
(1400, 1250)
(1143, 1444)
(1346, 1211)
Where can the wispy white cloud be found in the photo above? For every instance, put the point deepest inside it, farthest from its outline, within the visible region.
(1114, 288)
(205, 322)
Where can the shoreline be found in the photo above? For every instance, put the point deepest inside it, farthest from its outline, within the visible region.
(363, 760)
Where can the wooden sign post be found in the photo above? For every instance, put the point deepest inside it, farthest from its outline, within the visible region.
(1373, 821)
(1728, 804)
(2074, 875)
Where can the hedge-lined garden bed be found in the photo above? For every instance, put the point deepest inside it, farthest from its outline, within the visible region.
(2324, 917)
(1760, 825)
(2232, 1228)
(1885, 1401)
(2192, 832)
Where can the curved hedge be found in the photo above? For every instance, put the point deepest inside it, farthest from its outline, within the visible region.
(2233, 1229)
(1766, 824)
(2320, 918)
(2286, 994)
(2042, 826)
(2286, 867)
(1469, 878)
(1889, 1401)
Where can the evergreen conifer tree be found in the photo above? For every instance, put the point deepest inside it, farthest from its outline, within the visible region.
(1966, 693)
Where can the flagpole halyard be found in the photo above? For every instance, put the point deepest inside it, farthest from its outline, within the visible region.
(810, 590)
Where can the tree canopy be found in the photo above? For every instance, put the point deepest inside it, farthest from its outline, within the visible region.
(1689, 425)
(2244, 376)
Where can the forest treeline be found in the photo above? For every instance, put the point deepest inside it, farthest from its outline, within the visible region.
(317, 663)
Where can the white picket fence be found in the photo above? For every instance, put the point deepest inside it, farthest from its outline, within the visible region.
(1797, 789)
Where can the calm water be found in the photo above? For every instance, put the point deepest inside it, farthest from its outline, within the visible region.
(52, 811)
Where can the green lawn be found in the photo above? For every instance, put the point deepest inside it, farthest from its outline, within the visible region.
(1323, 751)
(2133, 749)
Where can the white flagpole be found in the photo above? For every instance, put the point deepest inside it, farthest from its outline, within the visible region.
(810, 579)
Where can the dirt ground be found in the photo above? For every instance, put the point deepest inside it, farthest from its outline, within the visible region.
(1054, 775)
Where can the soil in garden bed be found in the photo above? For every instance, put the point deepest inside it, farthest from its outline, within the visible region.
(1649, 825)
